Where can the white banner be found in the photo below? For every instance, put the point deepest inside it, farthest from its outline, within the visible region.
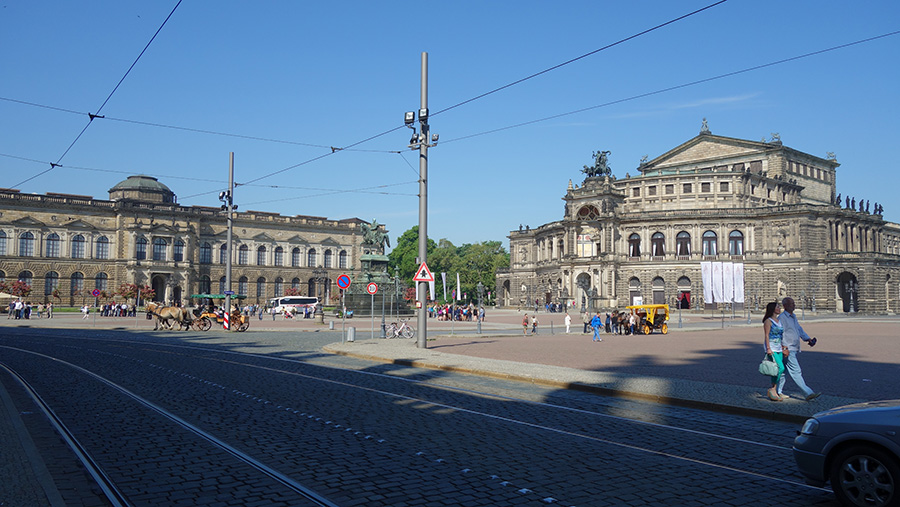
(717, 288)
(706, 275)
(431, 295)
(738, 283)
(728, 281)
(444, 284)
(458, 293)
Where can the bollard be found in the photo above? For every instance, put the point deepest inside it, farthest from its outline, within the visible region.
(351, 334)
(331, 325)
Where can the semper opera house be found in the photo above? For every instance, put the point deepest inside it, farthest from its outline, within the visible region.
(761, 204)
(75, 244)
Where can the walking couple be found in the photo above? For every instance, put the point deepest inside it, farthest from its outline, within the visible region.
(783, 334)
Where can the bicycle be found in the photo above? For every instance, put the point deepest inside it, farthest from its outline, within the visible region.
(404, 330)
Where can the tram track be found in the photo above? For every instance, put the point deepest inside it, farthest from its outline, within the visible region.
(572, 423)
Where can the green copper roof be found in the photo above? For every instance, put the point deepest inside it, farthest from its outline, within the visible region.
(141, 182)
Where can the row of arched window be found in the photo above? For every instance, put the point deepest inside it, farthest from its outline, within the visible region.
(53, 246)
(278, 258)
(51, 281)
(243, 285)
(709, 244)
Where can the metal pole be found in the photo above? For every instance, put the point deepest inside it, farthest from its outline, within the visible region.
(343, 315)
(229, 204)
(423, 199)
(373, 316)
(383, 294)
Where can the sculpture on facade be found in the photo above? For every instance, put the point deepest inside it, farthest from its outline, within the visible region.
(704, 129)
(373, 236)
(838, 200)
(600, 167)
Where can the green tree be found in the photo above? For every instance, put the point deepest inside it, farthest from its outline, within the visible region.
(404, 254)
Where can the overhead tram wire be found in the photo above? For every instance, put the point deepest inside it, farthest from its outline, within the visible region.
(671, 88)
(620, 41)
(91, 116)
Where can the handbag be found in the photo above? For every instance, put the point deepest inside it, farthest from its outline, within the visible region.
(768, 366)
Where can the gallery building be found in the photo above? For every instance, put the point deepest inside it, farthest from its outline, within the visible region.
(770, 208)
(71, 245)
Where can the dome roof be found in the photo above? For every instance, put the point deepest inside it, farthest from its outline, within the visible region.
(141, 182)
(142, 188)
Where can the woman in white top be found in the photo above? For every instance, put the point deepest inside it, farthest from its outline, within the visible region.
(774, 347)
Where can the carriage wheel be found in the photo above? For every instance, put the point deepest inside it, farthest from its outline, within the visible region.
(664, 328)
(204, 324)
(243, 326)
(646, 329)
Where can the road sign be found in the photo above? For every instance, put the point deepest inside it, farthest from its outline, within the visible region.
(228, 293)
(95, 293)
(372, 288)
(343, 281)
(423, 274)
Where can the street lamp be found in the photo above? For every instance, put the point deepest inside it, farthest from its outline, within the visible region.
(480, 289)
(320, 276)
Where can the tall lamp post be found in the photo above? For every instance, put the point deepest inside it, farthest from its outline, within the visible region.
(320, 276)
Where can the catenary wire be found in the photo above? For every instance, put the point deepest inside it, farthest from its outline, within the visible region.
(676, 87)
(97, 114)
(620, 41)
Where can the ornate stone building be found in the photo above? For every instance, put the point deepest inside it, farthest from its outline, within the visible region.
(75, 244)
(764, 205)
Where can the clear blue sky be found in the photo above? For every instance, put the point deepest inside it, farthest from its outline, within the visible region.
(335, 73)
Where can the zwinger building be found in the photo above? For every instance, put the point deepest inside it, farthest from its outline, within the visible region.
(74, 244)
(770, 211)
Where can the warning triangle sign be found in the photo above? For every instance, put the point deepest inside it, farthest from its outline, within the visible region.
(423, 274)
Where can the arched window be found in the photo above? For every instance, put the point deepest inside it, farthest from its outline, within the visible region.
(222, 286)
(205, 255)
(140, 249)
(223, 254)
(736, 243)
(328, 258)
(710, 243)
(683, 243)
(77, 283)
(101, 281)
(295, 283)
(26, 277)
(260, 287)
(342, 259)
(279, 287)
(588, 213)
(178, 251)
(658, 244)
(243, 255)
(242, 285)
(634, 290)
(295, 258)
(102, 247)
(26, 244)
(159, 249)
(279, 256)
(634, 245)
(52, 249)
(261, 256)
(2, 275)
(51, 282)
(205, 284)
(659, 291)
(78, 246)
(2, 243)
(311, 258)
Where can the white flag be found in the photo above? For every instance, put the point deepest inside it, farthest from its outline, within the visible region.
(458, 294)
(431, 295)
(728, 281)
(717, 288)
(738, 283)
(706, 274)
(444, 284)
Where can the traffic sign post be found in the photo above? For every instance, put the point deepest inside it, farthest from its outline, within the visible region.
(372, 289)
(423, 274)
(343, 283)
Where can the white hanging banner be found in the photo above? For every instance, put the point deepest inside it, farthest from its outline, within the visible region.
(738, 283)
(728, 281)
(444, 284)
(431, 295)
(718, 289)
(706, 275)
(458, 293)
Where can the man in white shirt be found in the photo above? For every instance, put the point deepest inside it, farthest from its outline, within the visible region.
(793, 334)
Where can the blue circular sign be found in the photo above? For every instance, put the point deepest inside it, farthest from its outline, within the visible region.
(343, 281)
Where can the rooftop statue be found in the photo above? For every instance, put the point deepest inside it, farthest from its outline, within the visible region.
(372, 235)
(600, 167)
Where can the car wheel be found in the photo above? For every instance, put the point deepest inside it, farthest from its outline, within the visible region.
(865, 476)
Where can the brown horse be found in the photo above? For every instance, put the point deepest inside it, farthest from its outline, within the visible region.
(165, 313)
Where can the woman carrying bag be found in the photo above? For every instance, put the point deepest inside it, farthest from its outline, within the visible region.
(774, 348)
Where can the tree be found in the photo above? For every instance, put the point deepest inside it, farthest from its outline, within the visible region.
(132, 291)
(19, 288)
(292, 291)
(404, 255)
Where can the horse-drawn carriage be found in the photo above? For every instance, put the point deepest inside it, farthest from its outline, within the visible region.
(651, 317)
(205, 316)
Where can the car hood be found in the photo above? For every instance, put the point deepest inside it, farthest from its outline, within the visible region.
(873, 406)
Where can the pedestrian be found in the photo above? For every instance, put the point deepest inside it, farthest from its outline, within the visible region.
(596, 322)
(568, 322)
(534, 324)
(586, 320)
(773, 333)
(50, 310)
(793, 334)
(525, 325)
(85, 310)
(607, 326)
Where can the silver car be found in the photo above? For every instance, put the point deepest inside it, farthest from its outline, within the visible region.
(857, 449)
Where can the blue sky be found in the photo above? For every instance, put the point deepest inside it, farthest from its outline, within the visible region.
(335, 73)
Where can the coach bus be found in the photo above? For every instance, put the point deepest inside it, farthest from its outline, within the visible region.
(293, 304)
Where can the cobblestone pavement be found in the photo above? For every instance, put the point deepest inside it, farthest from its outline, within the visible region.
(377, 433)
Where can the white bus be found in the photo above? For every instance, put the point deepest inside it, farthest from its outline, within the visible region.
(294, 304)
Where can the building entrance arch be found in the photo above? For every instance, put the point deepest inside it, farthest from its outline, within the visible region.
(847, 290)
(158, 284)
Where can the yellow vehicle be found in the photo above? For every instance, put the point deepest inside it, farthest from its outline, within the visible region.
(651, 317)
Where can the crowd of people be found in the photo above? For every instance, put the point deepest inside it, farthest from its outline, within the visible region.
(446, 312)
(19, 309)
